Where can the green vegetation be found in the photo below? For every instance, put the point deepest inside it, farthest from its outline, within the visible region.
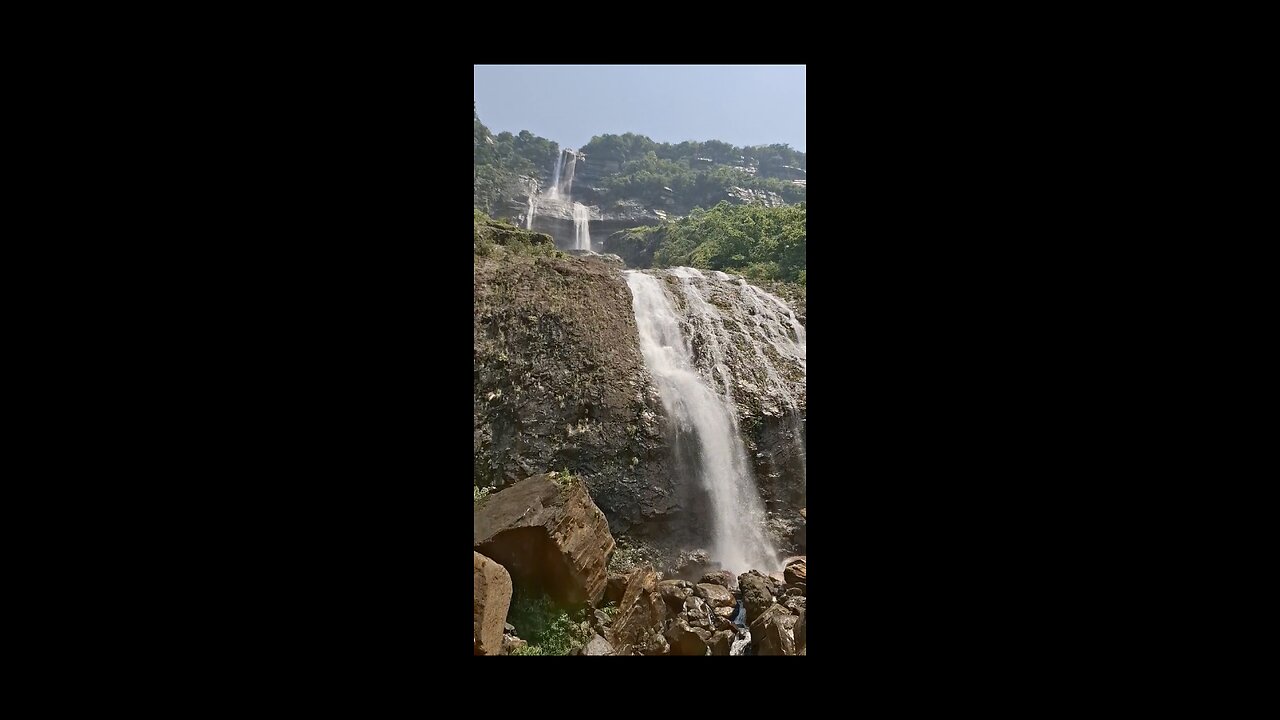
(500, 160)
(549, 629)
(767, 245)
(479, 494)
(628, 557)
(495, 237)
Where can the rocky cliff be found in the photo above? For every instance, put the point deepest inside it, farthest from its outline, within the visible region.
(560, 384)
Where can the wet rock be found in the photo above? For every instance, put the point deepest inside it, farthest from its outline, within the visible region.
(597, 646)
(723, 578)
(687, 640)
(756, 595)
(771, 633)
(549, 534)
(715, 595)
(796, 572)
(793, 590)
(490, 600)
(794, 604)
(721, 642)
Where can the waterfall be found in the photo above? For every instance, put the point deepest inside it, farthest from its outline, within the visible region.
(533, 208)
(703, 411)
(554, 192)
(581, 227)
(567, 183)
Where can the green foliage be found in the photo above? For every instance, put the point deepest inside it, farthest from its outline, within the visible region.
(627, 558)
(495, 237)
(479, 494)
(528, 650)
(763, 244)
(548, 628)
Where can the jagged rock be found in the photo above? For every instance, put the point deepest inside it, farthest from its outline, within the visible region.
(597, 646)
(723, 578)
(510, 643)
(654, 644)
(796, 572)
(547, 534)
(799, 631)
(727, 612)
(721, 642)
(716, 595)
(641, 611)
(687, 640)
(756, 595)
(771, 633)
(793, 590)
(794, 604)
(616, 587)
(490, 599)
(509, 628)
(675, 592)
(601, 619)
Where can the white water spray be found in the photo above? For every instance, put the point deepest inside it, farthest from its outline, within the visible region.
(709, 419)
(581, 226)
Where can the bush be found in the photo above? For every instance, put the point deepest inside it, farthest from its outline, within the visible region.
(549, 629)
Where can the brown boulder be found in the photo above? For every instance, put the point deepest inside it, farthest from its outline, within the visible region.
(547, 534)
(687, 640)
(799, 631)
(490, 600)
(715, 595)
(675, 592)
(615, 588)
(771, 633)
(641, 612)
(597, 646)
(756, 595)
(722, 642)
(794, 603)
(723, 578)
(796, 572)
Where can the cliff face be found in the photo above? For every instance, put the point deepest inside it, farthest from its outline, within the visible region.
(560, 384)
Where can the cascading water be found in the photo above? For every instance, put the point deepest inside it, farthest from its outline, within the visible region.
(581, 226)
(705, 415)
(554, 192)
(533, 207)
(566, 189)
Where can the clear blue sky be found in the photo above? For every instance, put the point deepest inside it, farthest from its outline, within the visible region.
(739, 104)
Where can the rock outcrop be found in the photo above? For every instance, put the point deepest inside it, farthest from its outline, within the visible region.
(640, 616)
(548, 533)
(756, 594)
(771, 633)
(490, 600)
(687, 640)
(796, 572)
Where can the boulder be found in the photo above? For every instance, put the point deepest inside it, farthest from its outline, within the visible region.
(722, 642)
(771, 633)
(597, 646)
(794, 603)
(756, 595)
(641, 612)
(687, 640)
(510, 643)
(490, 600)
(799, 631)
(715, 595)
(727, 612)
(549, 534)
(723, 578)
(675, 592)
(796, 572)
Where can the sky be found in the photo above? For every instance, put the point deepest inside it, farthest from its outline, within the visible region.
(738, 104)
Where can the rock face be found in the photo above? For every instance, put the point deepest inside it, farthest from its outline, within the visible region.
(490, 600)
(560, 384)
(641, 615)
(756, 595)
(771, 633)
(799, 631)
(547, 533)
